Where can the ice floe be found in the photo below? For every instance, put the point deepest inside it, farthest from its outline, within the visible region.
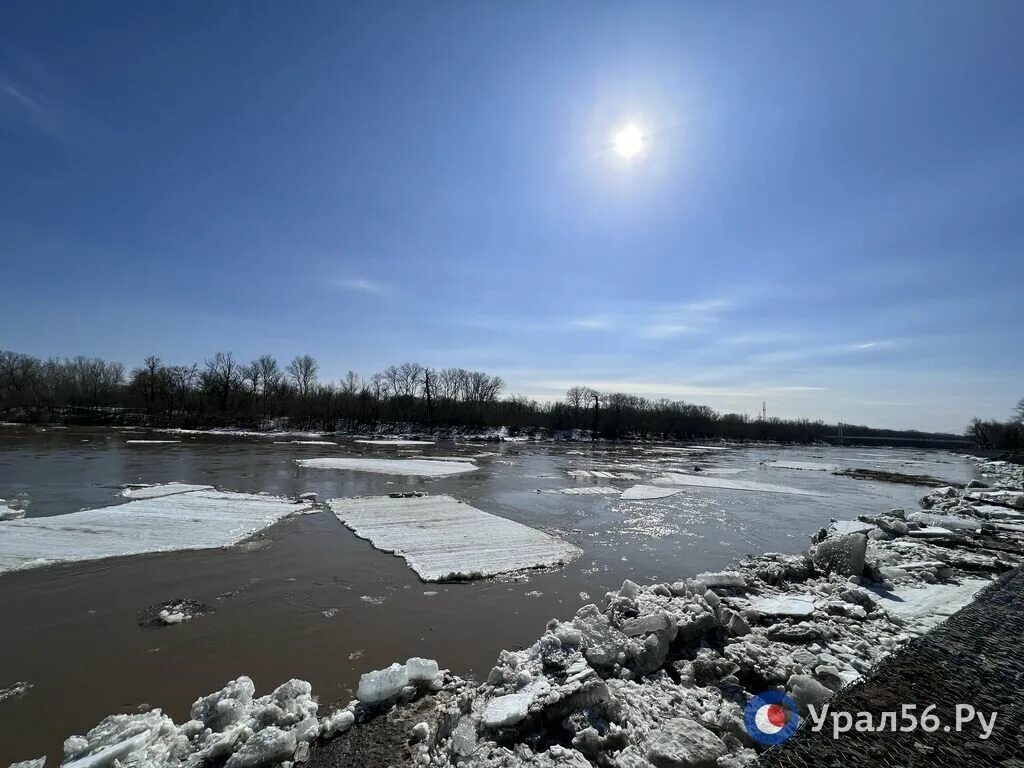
(395, 441)
(813, 465)
(700, 481)
(194, 520)
(407, 467)
(442, 538)
(587, 490)
(603, 474)
(8, 512)
(640, 492)
(303, 442)
(151, 442)
(161, 489)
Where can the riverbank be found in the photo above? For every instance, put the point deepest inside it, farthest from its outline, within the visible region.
(657, 674)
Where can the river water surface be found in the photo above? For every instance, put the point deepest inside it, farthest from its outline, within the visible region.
(309, 599)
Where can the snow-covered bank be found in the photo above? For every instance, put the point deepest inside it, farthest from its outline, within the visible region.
(442, 538)
(649, 675)
(165, 521)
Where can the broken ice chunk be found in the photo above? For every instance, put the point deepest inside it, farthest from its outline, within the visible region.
(787, 605)
(507, 710)
(424, 670)
(383, 684)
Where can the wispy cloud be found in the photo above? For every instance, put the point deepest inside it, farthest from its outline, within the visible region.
(29, 106)
(883, 344)
(362, 285)
(592, 323)
(666, 330)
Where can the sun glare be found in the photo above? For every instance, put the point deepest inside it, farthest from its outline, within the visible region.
(629, 141)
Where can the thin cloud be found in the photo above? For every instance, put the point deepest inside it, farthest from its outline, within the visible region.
(28, 106)
(592, 323)
(362, 285)
(666, 330)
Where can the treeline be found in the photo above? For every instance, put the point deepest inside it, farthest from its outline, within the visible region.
(261, 393)
(1000, 435)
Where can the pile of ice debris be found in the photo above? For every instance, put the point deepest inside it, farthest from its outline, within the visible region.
(232, 728)
(11, 510)
(655, 675)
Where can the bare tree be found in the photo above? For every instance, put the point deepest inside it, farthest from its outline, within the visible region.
(147, 380)
(1019, 411)
(222, 377)
(351, 384)
(303, 371)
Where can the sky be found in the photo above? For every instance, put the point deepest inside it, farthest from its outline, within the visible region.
(826, 215)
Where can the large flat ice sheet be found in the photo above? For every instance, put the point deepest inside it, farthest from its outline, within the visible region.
(675, 478)
(409, 467)
(644, 492)
(927, 606)
(162, 489)
(441, 538)
(396, 441)
(813, 465)
(194, 520)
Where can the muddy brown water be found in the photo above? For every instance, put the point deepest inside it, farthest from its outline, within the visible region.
(309, 599)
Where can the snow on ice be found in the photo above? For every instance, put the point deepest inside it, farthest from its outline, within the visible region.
(161, 489)
(442, 538)
(204, 519)
(640, 492)
(586, 490)
(407, 467)
(395, 441)
(700, 481)
(814, 465)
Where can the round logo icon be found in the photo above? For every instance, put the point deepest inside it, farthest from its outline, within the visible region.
(771, 718)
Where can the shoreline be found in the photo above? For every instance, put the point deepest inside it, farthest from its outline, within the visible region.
(668, 658)
(473, 434)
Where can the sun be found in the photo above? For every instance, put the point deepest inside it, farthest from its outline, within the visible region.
(629, 141)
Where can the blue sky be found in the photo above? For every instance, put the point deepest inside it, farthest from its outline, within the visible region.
(827, 214)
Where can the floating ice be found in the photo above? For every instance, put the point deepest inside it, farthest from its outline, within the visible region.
(396, 441)
(162, 489)
(193, 520)
(638, 492)
(675, 478)
(590, 490)
(408, 467)
(442, 538)
(151, 442)
(603, 474)
(787, 464)
(303, 442)
(8, 512)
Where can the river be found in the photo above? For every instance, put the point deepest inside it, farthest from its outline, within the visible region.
(309, 599)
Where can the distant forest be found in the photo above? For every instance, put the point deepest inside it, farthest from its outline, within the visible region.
(260, 394)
